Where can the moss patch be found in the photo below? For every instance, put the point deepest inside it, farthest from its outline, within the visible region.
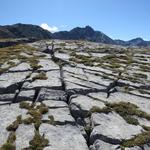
(25, 105)
(126, 110)
(40, 76)
(38, 142)
(13, 52)
(138, 140)
(14, 125)
(8, 146)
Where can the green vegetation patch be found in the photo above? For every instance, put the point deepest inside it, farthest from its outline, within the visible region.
(126, 110)
(8, 146)
(14, 52)
(15, 124)
(138, 140)
(40, 76)
(144, 68)
(25, 105)
(38, 142)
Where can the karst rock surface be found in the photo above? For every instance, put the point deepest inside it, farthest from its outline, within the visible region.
(70, 104)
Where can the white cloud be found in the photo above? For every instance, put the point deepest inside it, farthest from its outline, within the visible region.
(47, 27)
(63, 26)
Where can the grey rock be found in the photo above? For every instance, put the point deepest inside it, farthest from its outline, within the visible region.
(63, 137)
(52, 82)
(142, 102)
(25, 95)
(24, 134)
(55, 104)
(47, 64)
(101, 145)
(8, 81)
(112, 128)
(8, 114)
(48, 94)
(61, 115)
(81, 105)
(6, 97)
(21, 67)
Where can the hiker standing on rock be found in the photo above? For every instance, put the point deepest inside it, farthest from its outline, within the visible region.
(112, 86)
(52, 49)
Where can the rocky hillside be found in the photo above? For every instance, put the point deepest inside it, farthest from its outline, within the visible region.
(89, 96)
(86, 33)
(24, 31)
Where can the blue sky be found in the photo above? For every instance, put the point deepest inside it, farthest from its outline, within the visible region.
(119, 19)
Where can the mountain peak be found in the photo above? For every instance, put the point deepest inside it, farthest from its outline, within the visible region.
(21, 30)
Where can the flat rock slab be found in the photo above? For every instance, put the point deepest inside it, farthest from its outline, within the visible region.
(141, 102)
(48, 64)
(21, 67)
(8, 114)
(8, 81)
(25, 95)
(61, 115)
(63, 56)
(81, 105)
(48, 94)
(53, 81)
(66, 137)
(6, 97)
(55, 104)
(112, 128)
(101, 145)
(24, 134)
(76, 82)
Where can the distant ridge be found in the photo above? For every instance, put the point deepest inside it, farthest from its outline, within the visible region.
(23, 31)
(87, 33)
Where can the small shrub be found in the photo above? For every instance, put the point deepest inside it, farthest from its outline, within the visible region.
(13, 126)
(11, 138)
(40, 76)
(28, 120)
(51, 119)
(43, 110)
(96, 109)
(88, 129)
(25, 105)
(38, 142)
(8, 146)
(131, 120)
(35, 114)
(138, 140)
(37, 124)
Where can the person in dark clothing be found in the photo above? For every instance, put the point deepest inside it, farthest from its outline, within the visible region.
(112, 86)
(47, 47)
(52, 49)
